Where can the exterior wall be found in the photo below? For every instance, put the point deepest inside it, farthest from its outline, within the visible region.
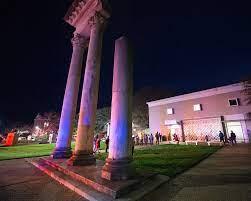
(213, 107)
(154, 119)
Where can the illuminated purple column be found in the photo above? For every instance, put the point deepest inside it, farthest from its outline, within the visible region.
(63, 145)
(118, 164)
(83, 153)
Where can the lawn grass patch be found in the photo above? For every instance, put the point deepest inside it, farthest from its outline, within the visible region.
(168, 159)
(30, 150)
(25, 151)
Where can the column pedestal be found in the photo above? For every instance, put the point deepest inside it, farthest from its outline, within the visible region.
(120, 169)
(81, 158)
(62, 152)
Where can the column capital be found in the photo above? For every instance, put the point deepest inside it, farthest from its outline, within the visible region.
(79, 41)
(97, 19)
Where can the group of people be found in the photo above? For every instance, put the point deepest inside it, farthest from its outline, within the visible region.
(158, 137)
(96, 144)
(145, 139)
(231, 139)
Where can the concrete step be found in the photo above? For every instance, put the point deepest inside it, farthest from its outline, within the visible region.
(80, 178)
(92, 179)
(74, 185)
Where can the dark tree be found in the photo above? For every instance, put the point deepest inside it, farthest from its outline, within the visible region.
(102, 118)
(247, 89)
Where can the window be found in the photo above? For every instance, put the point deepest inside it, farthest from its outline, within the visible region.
(234, 102)
(197, 107)
(170, 111)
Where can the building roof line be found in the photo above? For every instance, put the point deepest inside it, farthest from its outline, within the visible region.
(198, 94)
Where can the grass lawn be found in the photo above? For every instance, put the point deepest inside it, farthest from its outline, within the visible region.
(32, 150)
(164, 159)
(25, 151)
(169, 159)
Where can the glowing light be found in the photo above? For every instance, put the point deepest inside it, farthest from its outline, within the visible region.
(197, 107)
(46, 124)
(170, 111)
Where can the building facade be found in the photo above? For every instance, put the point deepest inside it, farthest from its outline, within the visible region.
(196, 115)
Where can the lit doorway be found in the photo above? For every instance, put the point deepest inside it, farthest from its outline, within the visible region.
(235, 126)
(176, 129)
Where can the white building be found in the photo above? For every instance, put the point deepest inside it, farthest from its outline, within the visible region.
(195, 115)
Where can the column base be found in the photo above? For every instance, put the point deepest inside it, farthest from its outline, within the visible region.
(64, 152)
(81, 158)
(120, 169)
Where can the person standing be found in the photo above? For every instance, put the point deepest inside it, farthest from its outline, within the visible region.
(151, 139)
(146, 139)
(221, 135)
(141, 139)
(157, 138)
(137, 140)
(94, 143)
(107, 144)
(160, 137)
(50, 138)
(233, 137)
(206, 138)
(175, 138)
(97, 145)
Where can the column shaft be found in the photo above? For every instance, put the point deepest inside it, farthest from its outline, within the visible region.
(118, 164)
(83, 154)
(63, 145)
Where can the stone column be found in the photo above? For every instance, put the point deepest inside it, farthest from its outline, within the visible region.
(83, 154)
(63, 145)
(118, 164)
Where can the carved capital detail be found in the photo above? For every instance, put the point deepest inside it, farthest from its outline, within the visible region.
(97, 19)
(79, 41)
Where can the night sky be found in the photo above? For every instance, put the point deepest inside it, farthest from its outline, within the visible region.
(180, 45)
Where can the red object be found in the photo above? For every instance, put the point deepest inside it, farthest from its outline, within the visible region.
(10, 139)
(98, 143)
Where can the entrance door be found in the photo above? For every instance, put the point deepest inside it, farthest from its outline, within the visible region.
(176, 129)
(235, 126)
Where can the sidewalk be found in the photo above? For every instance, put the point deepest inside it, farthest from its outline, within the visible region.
(224, 176)
(21, 181)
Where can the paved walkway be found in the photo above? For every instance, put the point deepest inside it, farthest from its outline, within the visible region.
(224, 176)
(21, 181)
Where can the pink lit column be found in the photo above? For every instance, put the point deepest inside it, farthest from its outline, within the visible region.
(118, 164)
(83, 153)
(63, 146)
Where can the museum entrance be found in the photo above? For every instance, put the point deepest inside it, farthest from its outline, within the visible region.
(236, 127)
